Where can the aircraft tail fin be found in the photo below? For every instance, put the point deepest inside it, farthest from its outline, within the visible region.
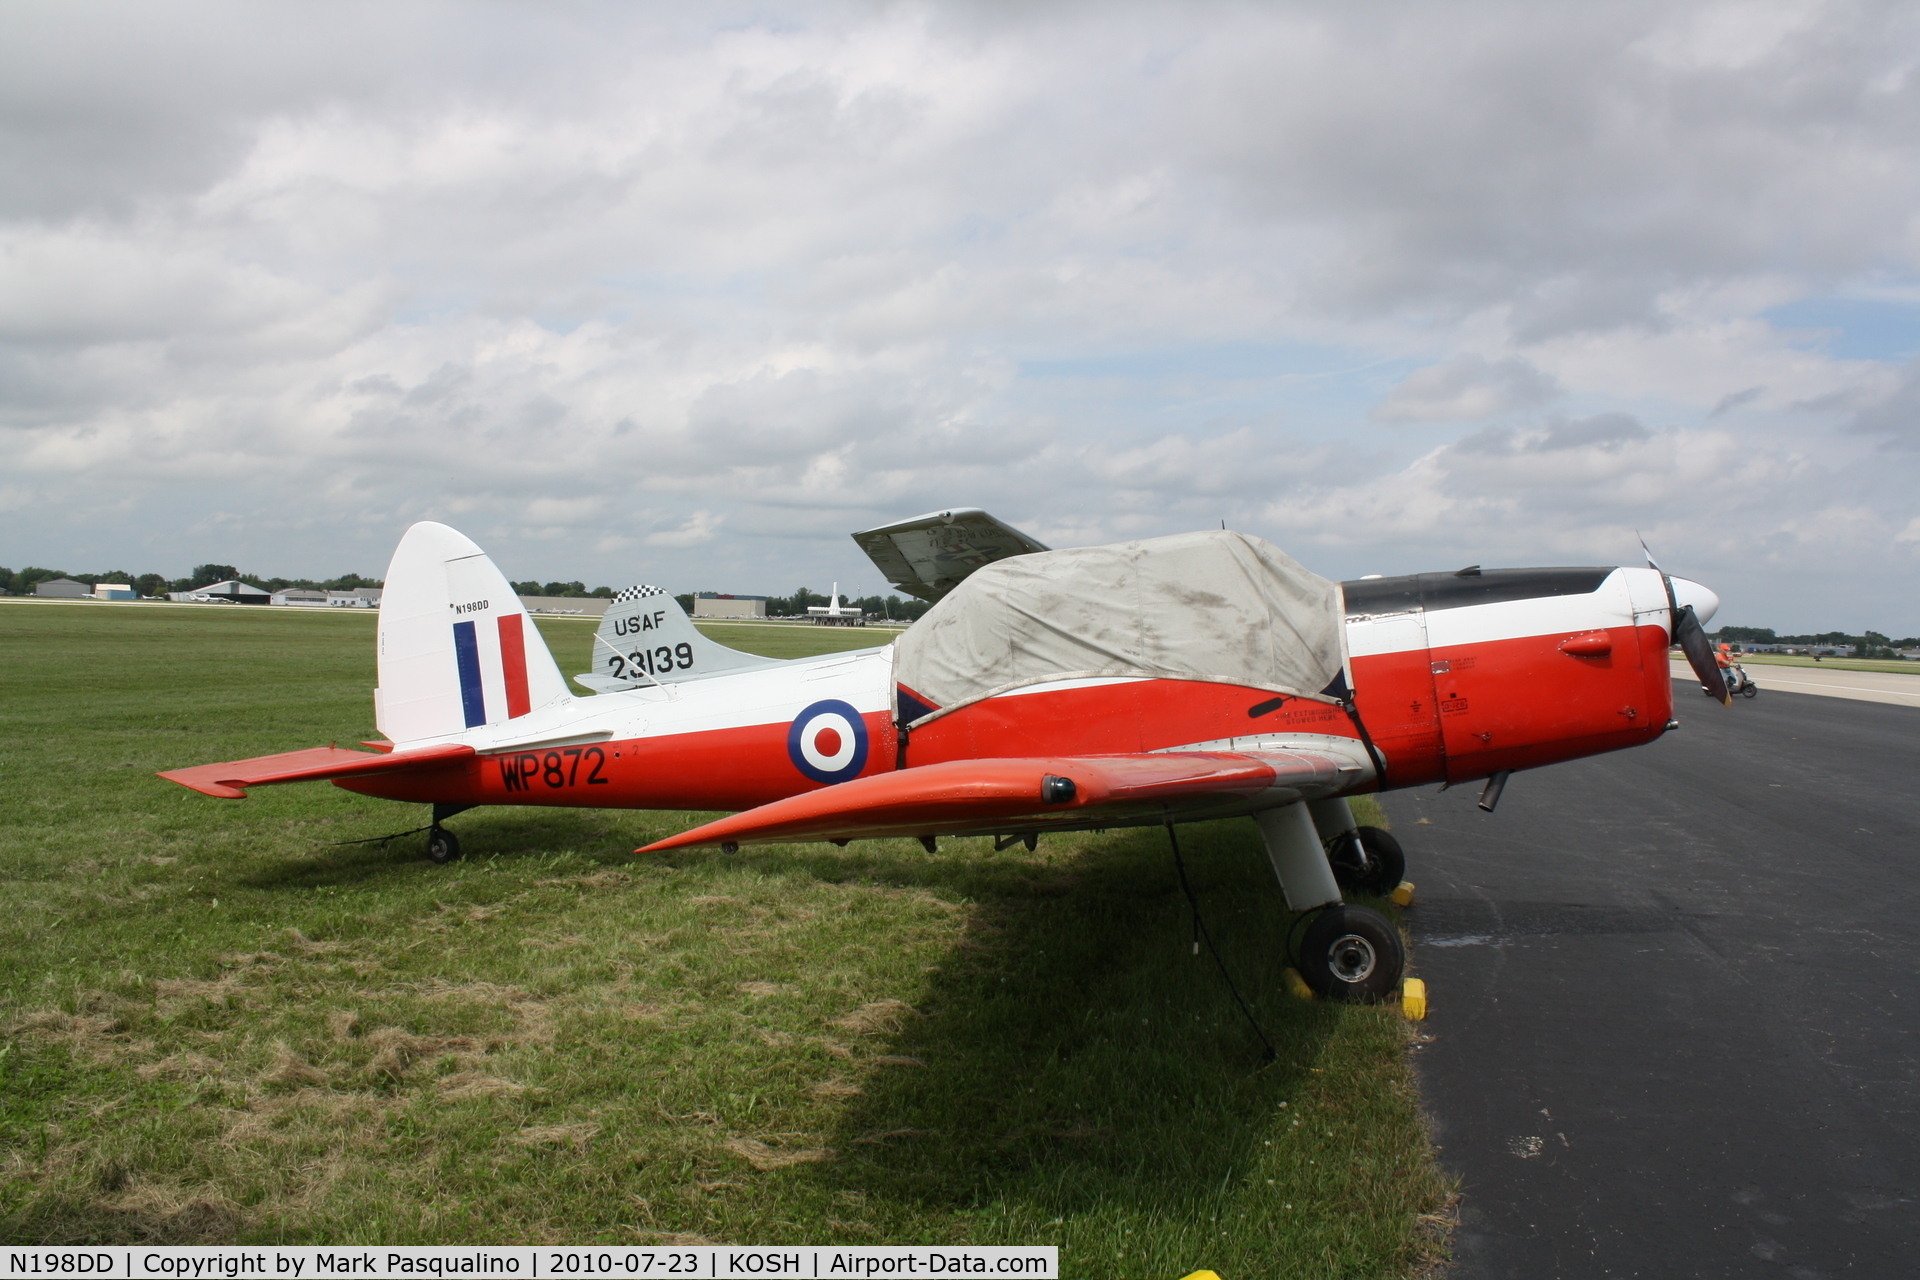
(457, 649)
(647, 638)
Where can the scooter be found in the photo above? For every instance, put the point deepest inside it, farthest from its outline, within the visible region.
(1738, 682)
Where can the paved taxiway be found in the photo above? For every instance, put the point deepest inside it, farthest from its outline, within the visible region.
(1675, 1019)
(1896, 687)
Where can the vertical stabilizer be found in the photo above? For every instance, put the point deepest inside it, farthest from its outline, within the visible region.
(457, 649)
(647, 638)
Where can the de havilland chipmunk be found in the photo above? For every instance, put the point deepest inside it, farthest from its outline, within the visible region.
(1178, 679)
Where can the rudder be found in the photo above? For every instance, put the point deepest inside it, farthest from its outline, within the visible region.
(457, 650)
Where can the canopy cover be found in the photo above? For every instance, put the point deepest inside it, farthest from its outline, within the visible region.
(1213, 606)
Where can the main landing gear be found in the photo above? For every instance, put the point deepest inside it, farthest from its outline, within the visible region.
(1367, 860)
(442, 845)
(1347, 952)
(1352, 954)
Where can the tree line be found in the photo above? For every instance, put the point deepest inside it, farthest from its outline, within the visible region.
(1868, 644)
(881, 607)
(23, 582)
(793, 606)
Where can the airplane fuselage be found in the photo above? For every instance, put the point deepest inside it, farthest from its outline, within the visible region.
(1455, 677)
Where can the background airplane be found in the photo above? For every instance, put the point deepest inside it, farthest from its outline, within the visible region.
(1188, 678)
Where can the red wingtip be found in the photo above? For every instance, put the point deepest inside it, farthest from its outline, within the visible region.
(218, 790)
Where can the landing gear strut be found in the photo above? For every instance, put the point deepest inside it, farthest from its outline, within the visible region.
(1368, 860)
(1347, 953)
(442, 846)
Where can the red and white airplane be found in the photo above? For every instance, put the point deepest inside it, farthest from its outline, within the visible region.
(1170, 680)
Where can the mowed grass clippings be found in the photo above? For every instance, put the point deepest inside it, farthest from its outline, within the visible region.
(222, 1025)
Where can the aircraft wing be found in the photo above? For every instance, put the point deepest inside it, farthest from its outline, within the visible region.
(988, 797)
(930, 555)
(229, 779)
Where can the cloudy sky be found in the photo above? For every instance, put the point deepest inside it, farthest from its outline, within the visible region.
(684, 294)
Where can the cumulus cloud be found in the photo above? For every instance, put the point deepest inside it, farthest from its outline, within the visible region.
(1894, 413)
(698, 528)
(634, 293)
(1464, 388)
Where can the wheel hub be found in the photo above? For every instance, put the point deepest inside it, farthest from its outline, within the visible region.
(1351, 958)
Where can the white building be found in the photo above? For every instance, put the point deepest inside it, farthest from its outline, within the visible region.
(114, 591)
(714, 604)
(358, 598)
(835, 614)
(300, 597)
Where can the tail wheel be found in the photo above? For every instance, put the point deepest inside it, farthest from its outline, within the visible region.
(1352, 954)
(1368, 860)
(442, 846)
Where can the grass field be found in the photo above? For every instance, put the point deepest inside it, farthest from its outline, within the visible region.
(221, 1024)
(1831, 664)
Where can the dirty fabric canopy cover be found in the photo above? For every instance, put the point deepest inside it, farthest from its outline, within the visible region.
(1215, 606)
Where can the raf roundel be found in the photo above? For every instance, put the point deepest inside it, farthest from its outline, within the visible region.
(828, 742)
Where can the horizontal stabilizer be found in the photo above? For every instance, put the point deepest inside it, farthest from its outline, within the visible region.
(930, 555)
(229, 779)
(982, 797)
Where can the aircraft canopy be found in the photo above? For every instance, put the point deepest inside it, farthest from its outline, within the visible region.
(1215, 605)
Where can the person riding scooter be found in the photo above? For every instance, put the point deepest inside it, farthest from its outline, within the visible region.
(1738, 681)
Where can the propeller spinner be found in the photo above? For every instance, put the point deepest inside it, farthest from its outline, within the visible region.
(1687, 631)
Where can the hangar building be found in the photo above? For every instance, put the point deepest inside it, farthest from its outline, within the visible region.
(714, 604)
(63, 589)
(232, 591)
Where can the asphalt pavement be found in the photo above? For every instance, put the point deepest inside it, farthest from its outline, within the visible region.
(1901, 688)
(1675, 999)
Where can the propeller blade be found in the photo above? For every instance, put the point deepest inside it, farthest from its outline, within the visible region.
(1699, 650)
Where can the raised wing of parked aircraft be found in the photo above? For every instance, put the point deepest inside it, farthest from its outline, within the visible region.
(930, 555)
(1200, 676)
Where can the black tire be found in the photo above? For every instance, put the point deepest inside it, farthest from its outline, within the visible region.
(1751, 691)
(1352, 954)
(442, 846)
(1368, 861)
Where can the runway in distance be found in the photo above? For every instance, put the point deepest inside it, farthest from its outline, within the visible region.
(1179, 679)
